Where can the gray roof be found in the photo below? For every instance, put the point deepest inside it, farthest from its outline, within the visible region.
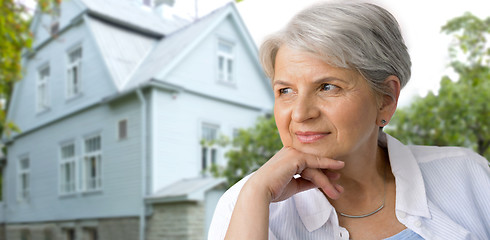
(186, 190)
(133, 14)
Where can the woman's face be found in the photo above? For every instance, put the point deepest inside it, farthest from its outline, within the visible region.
(321, 109)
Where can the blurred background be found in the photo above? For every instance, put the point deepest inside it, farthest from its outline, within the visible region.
(129, 119)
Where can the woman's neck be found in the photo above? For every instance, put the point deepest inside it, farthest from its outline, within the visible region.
(363, 179)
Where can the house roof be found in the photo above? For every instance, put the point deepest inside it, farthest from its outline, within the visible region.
(169, 48)
(132, 14)
(193, 189)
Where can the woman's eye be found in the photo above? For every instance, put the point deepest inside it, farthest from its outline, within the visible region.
(328, 87)
(285, 91)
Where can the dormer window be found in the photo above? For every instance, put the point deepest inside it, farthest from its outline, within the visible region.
(73, 77)
(55, 19)
(42, 89)
(225, 62)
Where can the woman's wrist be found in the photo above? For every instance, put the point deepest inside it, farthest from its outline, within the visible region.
(255, 189)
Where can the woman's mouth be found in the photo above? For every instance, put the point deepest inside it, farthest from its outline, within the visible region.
(310, 137)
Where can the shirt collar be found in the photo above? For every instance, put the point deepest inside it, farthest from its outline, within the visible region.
(315, 210)
(411, 196)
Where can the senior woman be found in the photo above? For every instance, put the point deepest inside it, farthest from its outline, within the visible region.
(337, 70)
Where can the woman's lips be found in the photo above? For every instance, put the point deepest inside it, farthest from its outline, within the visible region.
(310, 137)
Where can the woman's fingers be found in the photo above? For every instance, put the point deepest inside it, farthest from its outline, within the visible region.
(277, 175)
(311, 161)
(321, 180)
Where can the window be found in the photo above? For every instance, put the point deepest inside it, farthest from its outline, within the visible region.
(24, 179)
(225, 62)
(122, 129)
(55, 18)
(67, 169)
(48, 234)
(90, 234)
(42, 89)
(25, 234)
(69, 234)
(92, 164)
(209, 152)
(73, 81)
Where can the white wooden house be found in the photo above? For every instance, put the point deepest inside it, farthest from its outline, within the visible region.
(115, 100)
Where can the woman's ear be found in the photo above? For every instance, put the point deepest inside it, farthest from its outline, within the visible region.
(389, 101)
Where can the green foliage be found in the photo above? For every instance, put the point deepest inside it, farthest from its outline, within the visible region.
(249, 150)
(459, 114)
(15, 37)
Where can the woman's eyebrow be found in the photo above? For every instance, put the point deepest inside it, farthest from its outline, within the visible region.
(328, 79)
(279, 82)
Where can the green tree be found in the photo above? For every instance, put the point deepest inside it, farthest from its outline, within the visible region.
(15, 38)
(250, 149)
(459, 114)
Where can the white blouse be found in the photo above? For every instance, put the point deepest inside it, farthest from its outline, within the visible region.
(441, 193)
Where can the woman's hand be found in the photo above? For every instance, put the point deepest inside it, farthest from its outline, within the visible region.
(275, 181)
(275, 177)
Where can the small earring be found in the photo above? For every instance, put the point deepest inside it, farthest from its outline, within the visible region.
(383, 122)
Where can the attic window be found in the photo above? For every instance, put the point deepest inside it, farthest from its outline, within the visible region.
(42, 89)
(55, 19)
(73, 72)
(225, 62)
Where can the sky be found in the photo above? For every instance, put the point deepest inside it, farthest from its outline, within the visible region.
(420, 22)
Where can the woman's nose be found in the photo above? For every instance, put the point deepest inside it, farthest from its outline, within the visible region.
(305, 108)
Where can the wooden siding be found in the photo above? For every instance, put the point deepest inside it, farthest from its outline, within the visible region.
(95, 80)
(121, 178)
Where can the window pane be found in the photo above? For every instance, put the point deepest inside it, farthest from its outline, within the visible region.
(204, 157)
(230, 70)
(75, 55)
(92, 144)
(68, 151)
(213, 155)
(75, 79)
(93, 167)
(209, 133)
(44, 73)
(226, 48)
(24, 164)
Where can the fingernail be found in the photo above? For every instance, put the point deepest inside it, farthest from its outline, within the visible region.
(341, 162)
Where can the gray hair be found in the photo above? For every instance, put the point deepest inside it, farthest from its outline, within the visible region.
(360, 36)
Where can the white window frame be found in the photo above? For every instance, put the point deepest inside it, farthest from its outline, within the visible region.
(224, 75)
(207, 151)
(66, 188)
(90, 183)
(23, 190)
(42, 83)
(73, 88)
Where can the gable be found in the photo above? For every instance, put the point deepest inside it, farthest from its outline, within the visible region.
(121, 49)
(41, 24)
(188, 56)
(250, 87)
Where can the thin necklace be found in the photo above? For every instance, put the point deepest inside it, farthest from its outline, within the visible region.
(375, 211)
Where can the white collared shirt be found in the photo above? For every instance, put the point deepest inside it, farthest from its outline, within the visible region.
(441, 193)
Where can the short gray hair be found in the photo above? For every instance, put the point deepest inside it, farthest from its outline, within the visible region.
(351, 35)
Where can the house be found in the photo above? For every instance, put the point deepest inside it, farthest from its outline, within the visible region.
(115, 100)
